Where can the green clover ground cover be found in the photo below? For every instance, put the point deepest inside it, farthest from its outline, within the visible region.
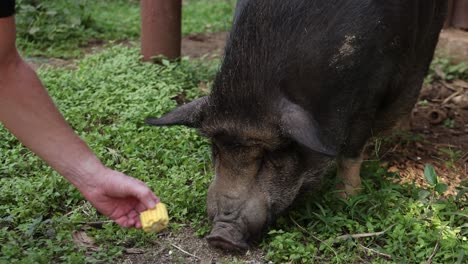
(106, 99)
(62, 28)
(399, 224)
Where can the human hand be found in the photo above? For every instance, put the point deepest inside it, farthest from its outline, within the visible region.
(119, 197)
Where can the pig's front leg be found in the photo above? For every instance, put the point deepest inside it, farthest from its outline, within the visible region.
(348, 176)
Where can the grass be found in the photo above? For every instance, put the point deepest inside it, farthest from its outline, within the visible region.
(401, 224)
(203, 16)
(106, 99)
(442, 68)
(59, 28)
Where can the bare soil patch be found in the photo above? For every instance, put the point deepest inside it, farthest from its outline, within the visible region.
(199, 45)
(438, 136)
(185, 247)
(194, 46)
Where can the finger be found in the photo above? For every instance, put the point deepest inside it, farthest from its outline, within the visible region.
(126, 221)
(138, 225)
(137, 221)
(138, 189)
(132, 214)
(130, 222)
(140, 207)
(156, 198)
(146, 196)
(122, 221)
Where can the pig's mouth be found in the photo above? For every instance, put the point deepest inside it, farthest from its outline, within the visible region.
(227, 236)
(232, 237)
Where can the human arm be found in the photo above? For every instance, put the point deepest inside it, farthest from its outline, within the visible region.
(28, 112)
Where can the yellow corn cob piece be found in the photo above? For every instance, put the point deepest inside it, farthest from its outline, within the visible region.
(154, 220)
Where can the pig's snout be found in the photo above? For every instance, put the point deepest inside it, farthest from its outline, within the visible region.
(227, 236)
(239, 213)
(236, 229)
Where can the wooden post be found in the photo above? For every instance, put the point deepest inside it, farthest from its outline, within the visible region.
(161, 28)
(460, 14)
(448, 20)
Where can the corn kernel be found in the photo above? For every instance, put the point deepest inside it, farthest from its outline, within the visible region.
(154, 220)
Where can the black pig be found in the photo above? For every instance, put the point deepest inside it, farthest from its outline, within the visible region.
(304, 83)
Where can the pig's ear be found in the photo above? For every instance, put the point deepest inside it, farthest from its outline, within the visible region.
(185, 115)
(302, 128)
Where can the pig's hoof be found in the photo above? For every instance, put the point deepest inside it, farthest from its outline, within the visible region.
(344, 191)
(226, 244)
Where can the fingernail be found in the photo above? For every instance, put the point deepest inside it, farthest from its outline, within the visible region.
(151, 204)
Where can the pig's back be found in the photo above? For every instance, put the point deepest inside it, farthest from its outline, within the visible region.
(345, 61)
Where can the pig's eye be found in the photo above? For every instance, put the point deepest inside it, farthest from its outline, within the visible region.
(232, 145)
(277, 156)
(271, 158)
(214, 149)
(226, 144)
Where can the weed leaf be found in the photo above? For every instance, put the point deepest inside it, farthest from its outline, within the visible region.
(441, 188)
(430, 175)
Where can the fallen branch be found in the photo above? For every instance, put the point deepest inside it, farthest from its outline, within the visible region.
(429, 260)
(449, 86)
(95, 223)
(183, 251)
(445, 145)
(134, 250)
(364, 234)
(376, 252)
(451, 97)
(72, 211)
(316, 238)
